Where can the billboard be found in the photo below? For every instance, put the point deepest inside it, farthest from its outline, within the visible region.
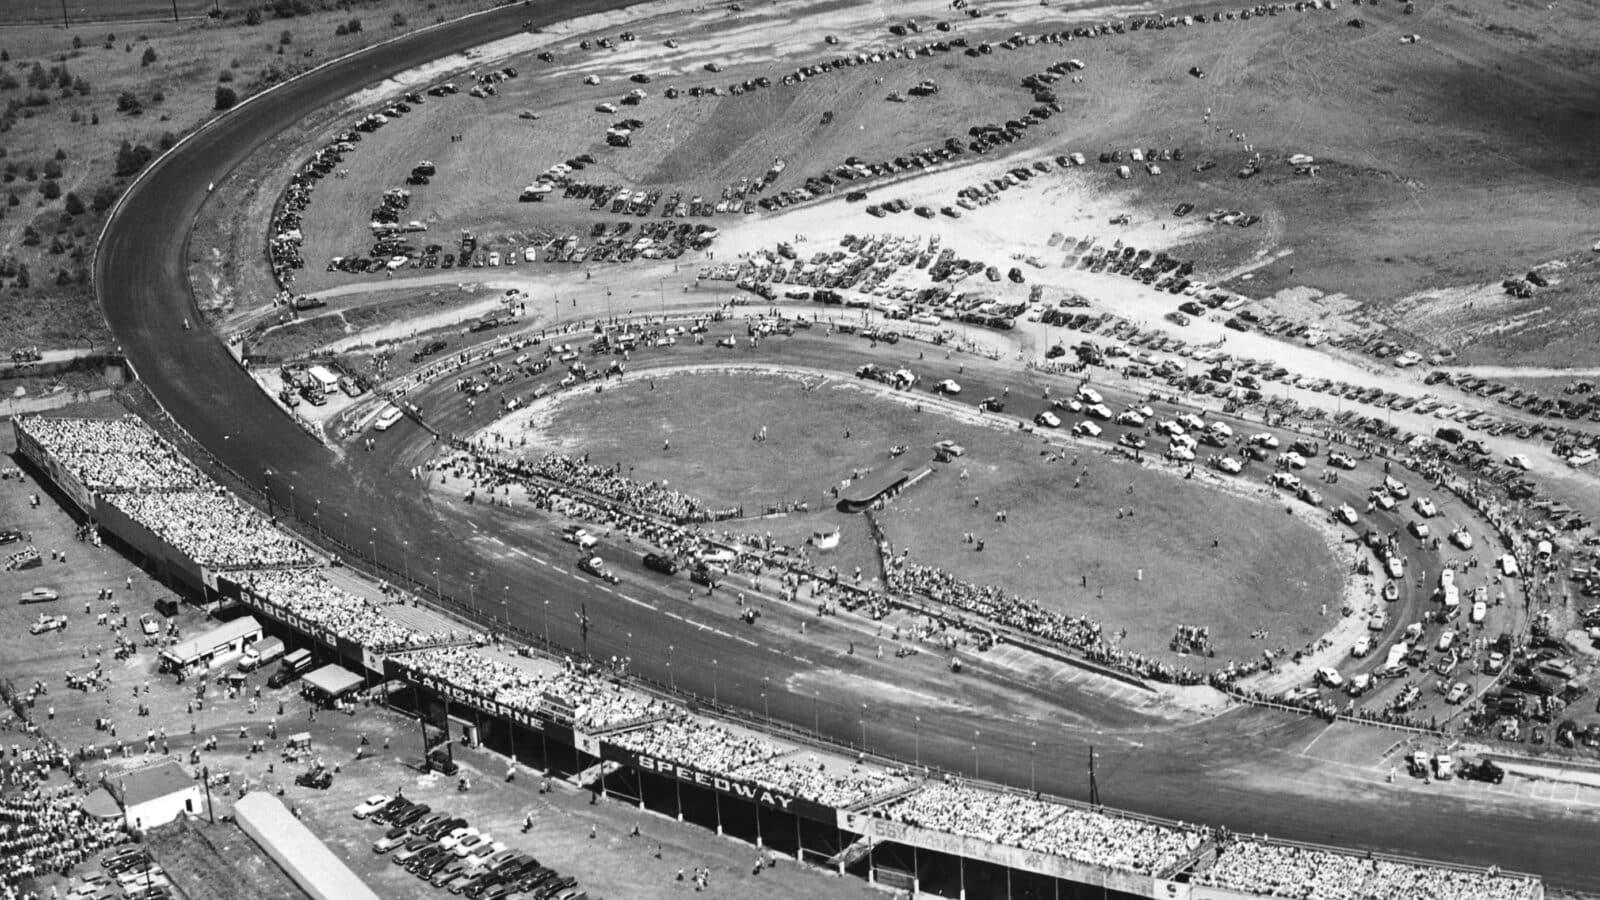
(472, 699)
(783, 801)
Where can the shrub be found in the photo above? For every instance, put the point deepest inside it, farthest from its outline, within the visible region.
(130, 158)
(9, 82)
(225, 76)
(104, 196)
(149, 56)
(77, 42)
(398, 21)
(61, 155)
(167, 140)
(158, 96)
(128, 103)
(37, 77)
(81, 86)
(285, 38)
(51, 190)
(252, 16)
(52, 169)
(74, 206)
(30, 237)
(227, 97)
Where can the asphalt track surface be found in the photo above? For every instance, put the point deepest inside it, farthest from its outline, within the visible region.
(1198, 773)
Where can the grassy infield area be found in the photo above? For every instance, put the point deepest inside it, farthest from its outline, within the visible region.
(1266, 573)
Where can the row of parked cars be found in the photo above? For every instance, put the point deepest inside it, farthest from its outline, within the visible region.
(126, 872)
(448, 853)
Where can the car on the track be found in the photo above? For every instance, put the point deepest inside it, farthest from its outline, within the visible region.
(947, 386)
(1424, 507)
(1362, 647)
(577, 534)
(1419, 530)
(1132, 441)
(1346, 514)
(1087, 429)
(1395, 566)
(1180, 453)
(1462, 538)
(149, 624)
(1457, 693)
(1130, 417)
(657, 562)
(596, 566)
(1341, 460)
(1329, 676)
(1518, 461)
(1292, 460)
(1264, 439)
(1048, 419)
(1230, 465)
(10, 536)
(1098, 410)
(1383, 500)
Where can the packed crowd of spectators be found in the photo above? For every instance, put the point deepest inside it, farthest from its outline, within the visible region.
(44, 830)
(1310, 873)
(811, 778)
(1030, 617)
(597, 704)
(115, 455)
(1126, 844)
(215, 530)
(610, 483)
(309, 594)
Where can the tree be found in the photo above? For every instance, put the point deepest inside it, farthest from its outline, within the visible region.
(37, 77)
(52, 169)
(9, 82)
(128, 103)
(149, 56)
(30, 236)
(104, 196)
(74, 206)
(252, 16)
(77, 42)
(130, 158)
(227, 97)
(81, 85)
(225, 76)
(398, 21)
(61, 154)
(23, 282)
(51, 190)
(285, 38)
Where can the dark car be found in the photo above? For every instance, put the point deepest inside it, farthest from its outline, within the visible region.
(1483, 770)
(655, 562)
(412, 815)
(10, 536)
(321, 779)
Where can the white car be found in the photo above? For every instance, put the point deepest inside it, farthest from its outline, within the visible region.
(471, 844)
(1461, 538)
(1329, 676)
(1180, 453)
(1497, 661)
(1129, 417)
(1424, 507)
(1284, 480)
(581, 537)
(1447, 639)
(1170, 428)
(1090, 395)
(947, 386)
(1396, 567)
(1192, 422)
(1086, 429)
(1480, 611)
(1292, 459)
(1264, 440)
(1384, 501)
(1230, 465)
(1418, 529)
(1048, 419)
(1518, 461)
(1098, 410)
(1458, 692)
(1346, 514)
(455, 838)
(1363, 646)
(372, 805)
(1220, 429)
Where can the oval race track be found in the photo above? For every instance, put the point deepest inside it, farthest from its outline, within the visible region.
(1189, 773)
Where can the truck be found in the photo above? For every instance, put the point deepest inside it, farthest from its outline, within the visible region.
(260, 653)
(294, 665)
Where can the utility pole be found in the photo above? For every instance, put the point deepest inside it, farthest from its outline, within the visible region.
(64, 22)
(1094, 784)
(583, 627)
(211, 812)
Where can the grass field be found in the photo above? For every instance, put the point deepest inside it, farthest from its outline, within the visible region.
(1269, 571)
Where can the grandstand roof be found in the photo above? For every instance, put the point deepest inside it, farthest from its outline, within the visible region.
(863, 491)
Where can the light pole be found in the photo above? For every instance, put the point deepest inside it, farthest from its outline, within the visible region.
(916, 736)
(346, 529)
(816, 716)
(547, 623)
(405, 558)
(713, 682)
(671, 675)
(438, 586)
(372, 545)
(472, 592)
(863, 728)
(292, 514)
(317, 515)
(766, 705)
(975, 754)
(1033, 749)
(266, 488)
(505, 611)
